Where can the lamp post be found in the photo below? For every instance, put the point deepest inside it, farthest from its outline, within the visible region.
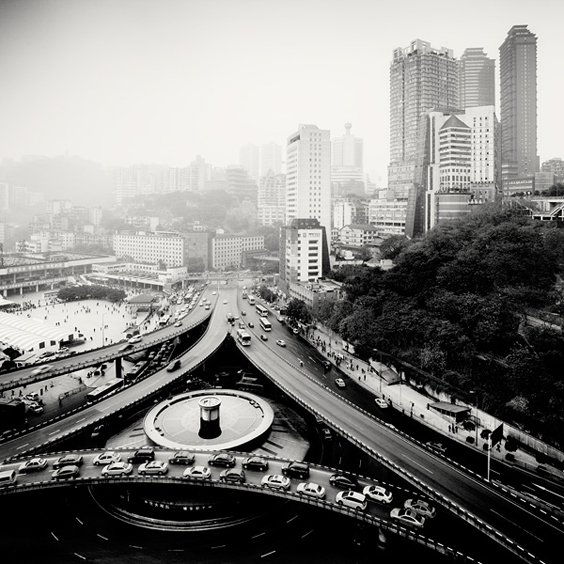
(103, 328)
(474, 393)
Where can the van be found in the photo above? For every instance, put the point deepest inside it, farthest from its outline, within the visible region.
(7, 478)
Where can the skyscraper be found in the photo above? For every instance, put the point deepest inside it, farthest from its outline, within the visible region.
(347, 154)
(421, 78)
(518, 103)
(476, 78)
(249, 160)
(270, 159)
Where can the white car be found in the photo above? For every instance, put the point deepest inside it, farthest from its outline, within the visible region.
(41, 370)
(378, 493)
(280, 342)
(224, 302)
(311, 490)
(421, 507)
(178, 324)
(106, 458)
(135, 339)
(351, 499)
(214, 293)
(117, 469)
(275, 482)
(340, 383)
(383, 404)
(33, 465)
(407, 517)
(153, 467)
(197, 473)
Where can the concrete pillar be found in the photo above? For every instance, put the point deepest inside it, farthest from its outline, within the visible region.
(118, 367)
(209, 417)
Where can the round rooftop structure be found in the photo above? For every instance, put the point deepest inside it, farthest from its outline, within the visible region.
(177, 422)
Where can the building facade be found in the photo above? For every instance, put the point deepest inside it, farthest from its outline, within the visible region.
(150, 247)
(249, 160)
(387, 213)
(227, 252)
(271, 159)
(476, 77)
(518, 103)
(347, 160)
(271, 199)
(358, 235)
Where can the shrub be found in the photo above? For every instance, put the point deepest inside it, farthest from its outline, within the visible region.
(486, 446)
(511, 445)
(470, 440)
(510, 457)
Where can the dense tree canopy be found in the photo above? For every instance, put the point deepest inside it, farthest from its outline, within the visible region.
(93, 292)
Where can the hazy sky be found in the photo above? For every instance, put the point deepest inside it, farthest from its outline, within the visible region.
(126, 81)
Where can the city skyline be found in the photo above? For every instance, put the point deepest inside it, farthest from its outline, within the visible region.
(89, 79)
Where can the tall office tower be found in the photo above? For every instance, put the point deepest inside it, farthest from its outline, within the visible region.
(421, 78)
(249, 160)
(347, 154)
(518, 103)
(270, 159)
(271, 199)
(476, 78)
(308, 175)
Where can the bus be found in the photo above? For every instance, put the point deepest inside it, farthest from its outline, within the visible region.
(164, 320)
(103, 391)
(136, 370)
(261, 310)
(243, 337)
(265, 324)
(251, 300)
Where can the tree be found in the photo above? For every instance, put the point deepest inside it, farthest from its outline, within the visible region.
(297, 311)
(364, 253)
(393, 246)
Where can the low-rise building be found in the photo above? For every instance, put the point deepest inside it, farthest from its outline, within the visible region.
(358, 235)
(315, 294)
(227, 251)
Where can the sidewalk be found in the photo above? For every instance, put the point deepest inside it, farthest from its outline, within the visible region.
(384, 383)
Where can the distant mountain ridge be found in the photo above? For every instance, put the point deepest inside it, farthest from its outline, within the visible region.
(84, 182)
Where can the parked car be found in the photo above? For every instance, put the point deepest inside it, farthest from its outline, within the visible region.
(351, 499)
(378, 493)
(383, 404)
(153, 467)
(68, 460)
(182, 457)
(343, 481)
(311, 489)
(33, 465)
(197, 473)
(222, 459)
(255, 463)
(421, 507)
(296, 469)
(232, 475)
(66, 472)
(407, 517)
(275, 482)
(437, 447)
(106, 458)
(117, 469)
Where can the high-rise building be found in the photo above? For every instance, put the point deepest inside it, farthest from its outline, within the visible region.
(270, 159)
(555, 165)
(518, 103)
(476, 76)
(249, 160)
(308, 175)
(421, 78)
(347, 154)
(271, 199)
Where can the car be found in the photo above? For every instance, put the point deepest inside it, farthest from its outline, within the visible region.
(143, 454)
(296, 469)
(46, 354)
(33, 396)
(214, 293)
(241, 325)
(407, 517)
(178, 324)
(117, 469)
(41, 370)
(437, 447)
(420, 507)
(66, 472)
(326, 434)
(251, 324)
(280, 342)
(197, 473)
(383, 404)
(232, 475)
(135, 339)
(275, 482)
(125, 347)
(182, 457)
(343, 481)
(68, 460)
(340, 383)
(255, 463)
(264, 337)
(174, 365)
(378, 493)
(106, 458)
(311, 489)
(236, 317)
(222, 459)
(33, 465)
(351, 499)
(36, 408)
(224, 302)
(153, 467)
(243, 312)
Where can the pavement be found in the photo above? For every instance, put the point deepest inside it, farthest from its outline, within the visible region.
(385, 383)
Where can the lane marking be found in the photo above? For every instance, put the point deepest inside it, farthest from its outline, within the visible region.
(259, 535)
(79, 521)
(415, 462)
(291, 519)
(80, 420)
(22, 446)
(268, 553)
(54, 536)
(515, 524)
(308, 533)
(102, 537)
(53, 432)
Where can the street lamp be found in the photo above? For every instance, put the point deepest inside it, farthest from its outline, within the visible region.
(103, 328)
(474, 393)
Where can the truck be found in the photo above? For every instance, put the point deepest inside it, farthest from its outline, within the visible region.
(12, 410)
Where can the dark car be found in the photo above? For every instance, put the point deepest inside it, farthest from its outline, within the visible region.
(182, 457)
(232, 475)
(251, 324)
(65, 472)
(343, 481)
(68, 460)
(296, 470)
(255, 463)
(144, 454)
(222, 459)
